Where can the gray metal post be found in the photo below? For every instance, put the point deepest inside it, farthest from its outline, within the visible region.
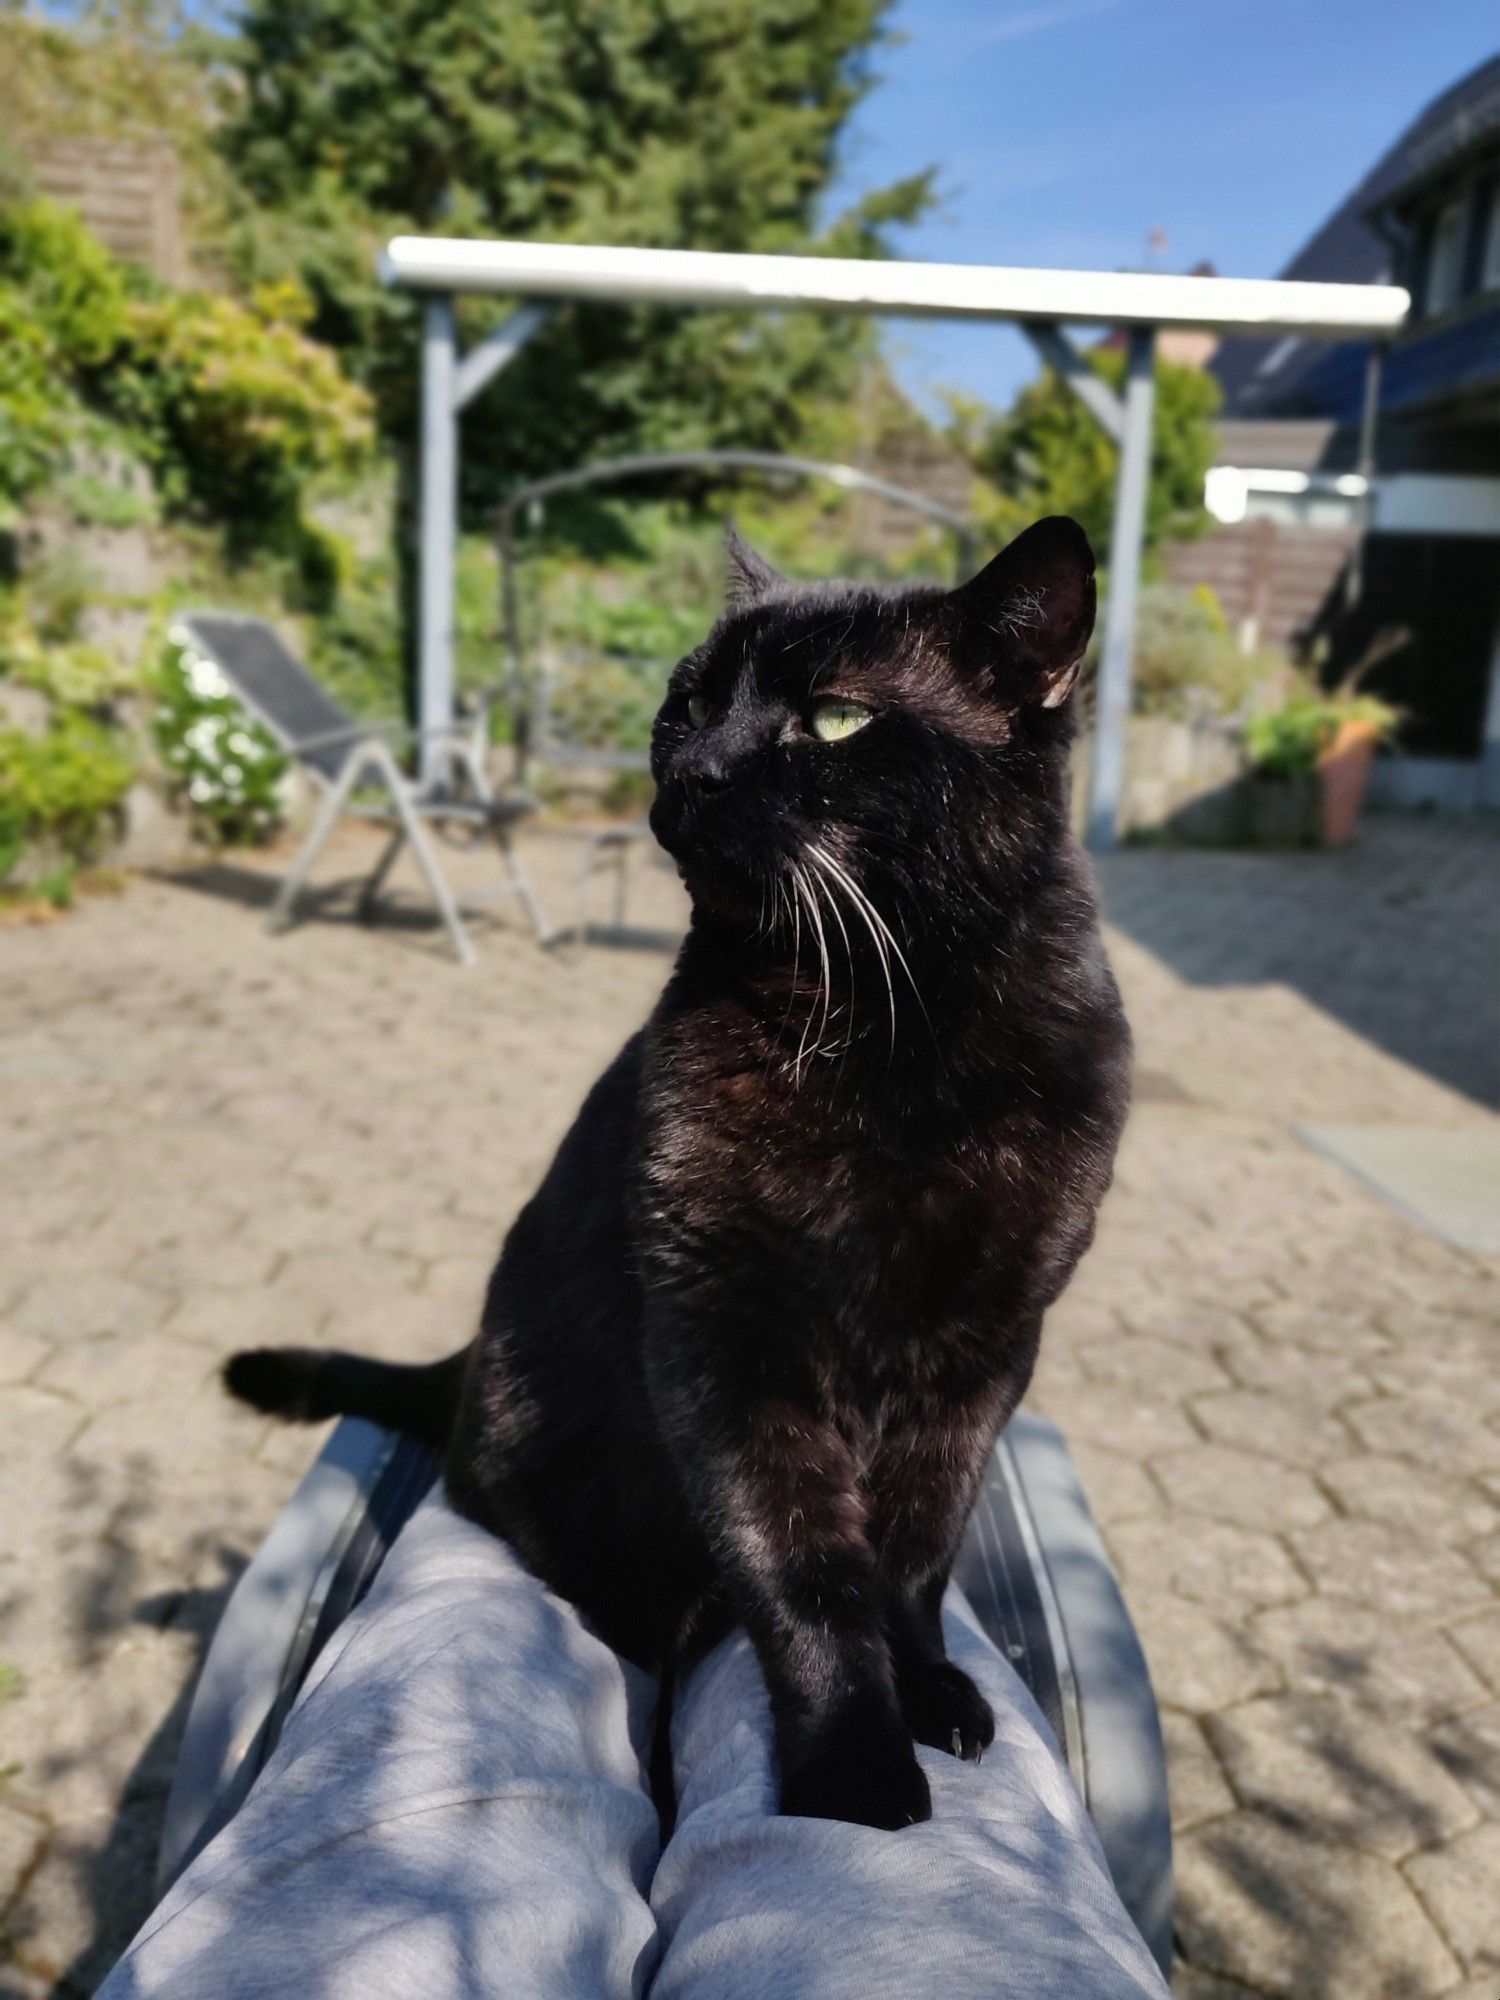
(1364, 465)
(1112, 704)
(439, 531)
(1489, 749)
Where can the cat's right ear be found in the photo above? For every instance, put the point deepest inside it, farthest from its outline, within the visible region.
(750, 575)
(1025, 620)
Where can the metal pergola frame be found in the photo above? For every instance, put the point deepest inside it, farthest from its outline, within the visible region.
(1041, 302)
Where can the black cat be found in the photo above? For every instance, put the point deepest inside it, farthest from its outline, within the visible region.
(748, 1348)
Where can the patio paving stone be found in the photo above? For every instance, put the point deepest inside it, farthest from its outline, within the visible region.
(1284, 1398)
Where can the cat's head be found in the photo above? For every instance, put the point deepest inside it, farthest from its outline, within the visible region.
(896, 738)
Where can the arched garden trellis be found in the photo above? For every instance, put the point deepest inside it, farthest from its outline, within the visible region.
(648, 465)
(1042, 302)
(530, 715)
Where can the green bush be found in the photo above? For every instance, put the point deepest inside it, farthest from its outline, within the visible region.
(1188, 663)
(63, 788)
(62, 304)
(239, 415)
(77, 292)
(37, 411)
(224, 766)
(1048, 455)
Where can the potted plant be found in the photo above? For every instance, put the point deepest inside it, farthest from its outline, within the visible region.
(1310, 764)
(1281, 795)
(1358, 725)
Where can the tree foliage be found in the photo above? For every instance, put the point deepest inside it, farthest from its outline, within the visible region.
(1048, 455)
(710, 124)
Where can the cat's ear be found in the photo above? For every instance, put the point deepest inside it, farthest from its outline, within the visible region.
(750, 575)
(1025, 620)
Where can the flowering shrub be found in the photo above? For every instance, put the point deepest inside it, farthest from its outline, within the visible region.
(234, 409)
(238, 414)
(219, 760)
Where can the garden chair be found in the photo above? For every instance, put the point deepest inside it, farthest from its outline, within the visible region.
(584, 709)
(340, 755)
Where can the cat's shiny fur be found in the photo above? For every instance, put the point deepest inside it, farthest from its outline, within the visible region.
(748, 1347)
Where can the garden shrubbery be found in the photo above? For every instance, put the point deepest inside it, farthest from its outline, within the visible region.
(60, 794)
(233, 408)
(124, 403)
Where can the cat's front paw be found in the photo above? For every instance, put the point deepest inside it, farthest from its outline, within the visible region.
(943, 1707)
(866, 1775)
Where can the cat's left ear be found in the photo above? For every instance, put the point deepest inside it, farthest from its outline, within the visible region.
(1025, 620)
(750, 575)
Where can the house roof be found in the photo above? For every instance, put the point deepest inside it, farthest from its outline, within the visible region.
(1295, 377)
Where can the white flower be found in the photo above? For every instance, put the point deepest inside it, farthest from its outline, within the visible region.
(200, 791)
(231, 774)
(204, 736)
(241, 744)
(204, 678)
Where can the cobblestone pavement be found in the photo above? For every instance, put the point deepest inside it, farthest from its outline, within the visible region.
(1284, 1399)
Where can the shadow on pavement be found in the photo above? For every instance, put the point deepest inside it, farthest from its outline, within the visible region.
(1398, 936)
(410, 920)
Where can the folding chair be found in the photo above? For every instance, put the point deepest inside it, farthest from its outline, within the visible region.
(340, 754)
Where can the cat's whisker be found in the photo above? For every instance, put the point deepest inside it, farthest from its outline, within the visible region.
(825, 957)
(815, 920)
(879, 929)
(888, 934)
(860, 904)
(838, 918)
(794, 906)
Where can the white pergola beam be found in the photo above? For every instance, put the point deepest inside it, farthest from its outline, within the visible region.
(1141, 302)
(844, 284)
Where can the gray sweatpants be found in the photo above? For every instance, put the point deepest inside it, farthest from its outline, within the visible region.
(457, 1811)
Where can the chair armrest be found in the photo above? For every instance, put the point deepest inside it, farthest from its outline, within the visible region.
(404, 732)
(353, 732)
(391, 732)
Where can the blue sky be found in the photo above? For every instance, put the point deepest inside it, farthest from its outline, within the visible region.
(1064, 130)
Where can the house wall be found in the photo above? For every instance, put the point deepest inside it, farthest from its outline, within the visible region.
(1272, 580)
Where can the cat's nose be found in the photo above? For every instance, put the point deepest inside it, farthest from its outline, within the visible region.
(709, 778)
(706, 769)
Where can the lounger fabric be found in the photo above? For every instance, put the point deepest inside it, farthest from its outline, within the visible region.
(457, 1811)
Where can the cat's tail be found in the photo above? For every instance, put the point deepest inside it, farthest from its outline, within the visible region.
(305, 1385)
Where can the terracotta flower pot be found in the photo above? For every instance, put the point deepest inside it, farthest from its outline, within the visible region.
(1344, 778)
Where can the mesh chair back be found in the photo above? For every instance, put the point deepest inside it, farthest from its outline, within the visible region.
(273, 683)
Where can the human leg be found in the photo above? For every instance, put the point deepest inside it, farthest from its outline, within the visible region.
(456, 1809)
(1003, 1894)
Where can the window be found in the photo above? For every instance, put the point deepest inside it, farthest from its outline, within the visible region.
(1489, 260)
(1445, 258)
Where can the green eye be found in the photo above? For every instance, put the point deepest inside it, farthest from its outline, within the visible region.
(832, 721)
(698, 710)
